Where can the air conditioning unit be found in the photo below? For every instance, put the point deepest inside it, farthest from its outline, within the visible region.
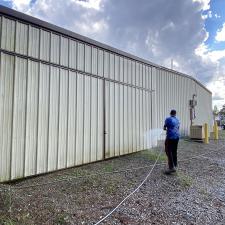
(197, 132)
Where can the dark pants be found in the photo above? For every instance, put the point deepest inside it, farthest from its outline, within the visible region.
(171, 152)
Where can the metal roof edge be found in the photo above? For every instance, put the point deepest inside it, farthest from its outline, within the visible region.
(35, 21)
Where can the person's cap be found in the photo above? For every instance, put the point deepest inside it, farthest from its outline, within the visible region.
(173, 112)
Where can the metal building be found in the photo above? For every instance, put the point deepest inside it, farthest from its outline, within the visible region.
(66, 100)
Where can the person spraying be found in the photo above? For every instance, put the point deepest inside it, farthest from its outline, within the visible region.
(171, 126)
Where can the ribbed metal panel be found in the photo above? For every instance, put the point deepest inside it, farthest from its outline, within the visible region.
(125, 75)
(106, 64)
(117, 119)
(137, 74)
(100, 121)
(33, 45)
(80, 56)
(121, 113)
(43, 119)
(80, 119)
(6, 107)
(125, 121)
(100, 63)
(55, 40)
(19, 117)
(133, 73)
(53, 132)
(111, 66)
(72, 119)
(64, 51)
(129, 72)
(117, 68)
(8, 34)
(121, 70)
(31, 118)
(21, 38)
(63, 119)
(94, 65)
(45, 45)
(94, 130)
(72, 54)
(87, 120)
(87, 59)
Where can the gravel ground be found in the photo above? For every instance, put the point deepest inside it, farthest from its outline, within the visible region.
(195, 194)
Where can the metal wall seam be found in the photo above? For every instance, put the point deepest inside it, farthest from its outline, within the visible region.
(107, 119)
(111, 66)
(33, 44)
(117, 120)
(112, 119)
(94, 61)
(87, 120)
(72, 110)
(31, 118)
(43, 118)
(106, 64)
(8, 34)
(117, 63)
(130, 127)
(45, 45)
(6, 102)
(80, 118)
(80, 56)
(21, 38)
(19, 116)
(125, 124)
(64, 51)
(93, 119)
(72, 54)
(121, 70)
(87, 61)
(53, 119)
(100, 123)
(121, 119)
(55, 48)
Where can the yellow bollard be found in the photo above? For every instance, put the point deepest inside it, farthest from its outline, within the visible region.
(206, 129)
(216, 132)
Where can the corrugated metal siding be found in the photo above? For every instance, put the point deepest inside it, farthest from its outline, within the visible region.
(52, 113)
(6, 108)
(34, 40)
(19, 116)
(21, 38)
(8, 34)
(45, 45)
(31, 117)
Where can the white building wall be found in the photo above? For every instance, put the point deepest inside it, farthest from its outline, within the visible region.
(59, 95)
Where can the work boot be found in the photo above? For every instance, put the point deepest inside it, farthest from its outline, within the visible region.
(169, 171)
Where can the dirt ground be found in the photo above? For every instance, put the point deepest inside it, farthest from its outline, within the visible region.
(195, 194)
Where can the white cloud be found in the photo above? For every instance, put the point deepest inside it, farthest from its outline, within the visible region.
(217, 16)
(220, 35)
(20, 5)
(204, 4)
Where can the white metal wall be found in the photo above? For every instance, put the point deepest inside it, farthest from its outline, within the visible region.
(59, 95)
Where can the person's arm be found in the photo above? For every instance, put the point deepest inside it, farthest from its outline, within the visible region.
(165, 125)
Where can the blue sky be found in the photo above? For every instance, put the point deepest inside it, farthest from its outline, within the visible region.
(191, 32)
(217, 7)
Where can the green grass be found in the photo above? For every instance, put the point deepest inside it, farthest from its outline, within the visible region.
(108, 167)
(6, 221)
(152, 155)
(61, 219)
(184, 180)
